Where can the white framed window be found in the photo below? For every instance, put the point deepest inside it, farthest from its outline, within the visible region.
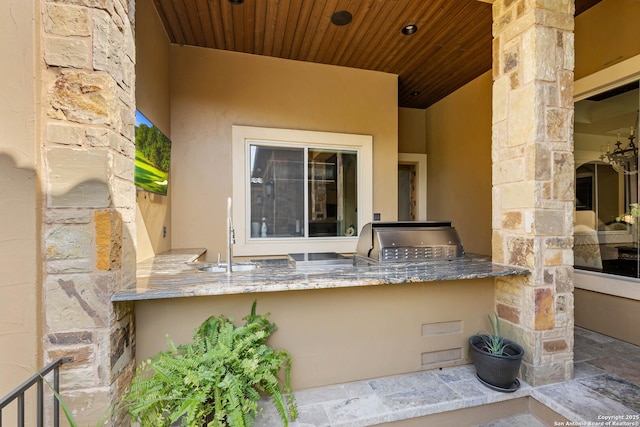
(605, 224)
(299, 191)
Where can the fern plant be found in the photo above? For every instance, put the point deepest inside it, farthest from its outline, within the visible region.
(216, 380)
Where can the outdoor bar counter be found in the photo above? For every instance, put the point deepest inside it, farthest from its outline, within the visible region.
(339, 323)
(174, 274)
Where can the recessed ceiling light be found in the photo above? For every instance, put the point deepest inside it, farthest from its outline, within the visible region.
(236, 1)
(409, 29)
(341, 18)
(415, 93)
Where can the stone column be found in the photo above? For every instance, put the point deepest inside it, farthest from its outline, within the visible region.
(88, 153)
(533, 180)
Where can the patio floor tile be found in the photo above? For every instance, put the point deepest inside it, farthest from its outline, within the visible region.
(606, 383)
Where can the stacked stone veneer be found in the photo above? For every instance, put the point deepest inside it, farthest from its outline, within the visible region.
(533, 179)
(88, 153)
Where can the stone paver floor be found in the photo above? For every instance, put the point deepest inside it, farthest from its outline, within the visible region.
(606, 384)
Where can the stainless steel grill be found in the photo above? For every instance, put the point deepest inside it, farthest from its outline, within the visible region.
(409, 241)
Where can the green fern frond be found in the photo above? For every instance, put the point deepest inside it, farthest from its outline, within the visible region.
(218, 374)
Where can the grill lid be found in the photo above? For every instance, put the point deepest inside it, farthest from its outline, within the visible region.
(409, 241)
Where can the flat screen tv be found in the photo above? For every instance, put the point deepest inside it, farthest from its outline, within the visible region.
(153, 156)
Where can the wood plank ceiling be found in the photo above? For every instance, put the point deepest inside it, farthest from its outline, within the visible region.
(451, 47)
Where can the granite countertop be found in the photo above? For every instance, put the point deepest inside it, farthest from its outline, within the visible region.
(174, 274)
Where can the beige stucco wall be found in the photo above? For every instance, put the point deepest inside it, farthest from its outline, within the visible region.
(411, 131)
(608, 314)
(615, 37)
(458, 130)
(19, 192)
(340, 335)
(211, 90)
(153, 100)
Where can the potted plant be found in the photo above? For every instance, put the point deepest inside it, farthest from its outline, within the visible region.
(497, 359)
(216, 380)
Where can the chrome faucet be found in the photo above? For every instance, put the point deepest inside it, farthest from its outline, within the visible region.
(231, 236)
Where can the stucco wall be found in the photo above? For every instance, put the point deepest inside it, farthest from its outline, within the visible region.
(615, 37)
(608, 314)
(458, 144)
(153, 100)
(411, 131)
(19, 294)
(211, 90)
(342, 334)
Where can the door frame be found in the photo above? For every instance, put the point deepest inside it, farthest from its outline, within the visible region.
(420, 163)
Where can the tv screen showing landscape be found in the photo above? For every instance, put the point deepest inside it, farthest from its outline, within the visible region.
(153, 155)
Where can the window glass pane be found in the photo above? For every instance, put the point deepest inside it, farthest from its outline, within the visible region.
(332, 192)
(606, 217)
(277, 192)
(271, 180)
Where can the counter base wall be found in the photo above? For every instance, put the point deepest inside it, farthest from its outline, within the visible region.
(341, 335)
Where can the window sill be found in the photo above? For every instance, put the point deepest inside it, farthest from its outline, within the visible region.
(620, 286)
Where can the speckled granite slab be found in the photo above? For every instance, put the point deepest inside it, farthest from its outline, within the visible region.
(174, 275)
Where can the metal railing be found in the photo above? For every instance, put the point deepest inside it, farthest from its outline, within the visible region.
(38, 379)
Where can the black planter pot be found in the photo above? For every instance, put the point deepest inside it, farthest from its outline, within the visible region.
(497, 371)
